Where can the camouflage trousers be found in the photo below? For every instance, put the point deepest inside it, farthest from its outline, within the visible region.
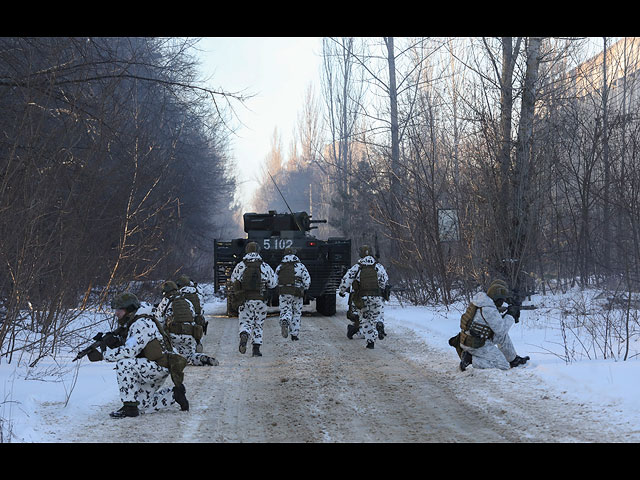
(359, 333)
(493, 354)
(139, 380)
(290, 312)
(185, 345)
(251, 316)
(370, 314)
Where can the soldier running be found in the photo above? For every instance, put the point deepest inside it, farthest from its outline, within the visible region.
(293, 280)
(367, 279)
(250, 280)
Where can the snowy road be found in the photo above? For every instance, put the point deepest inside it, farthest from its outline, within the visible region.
(327, 388)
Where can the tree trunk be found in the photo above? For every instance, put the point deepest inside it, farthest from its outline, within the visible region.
(395, 139)
(524, 175)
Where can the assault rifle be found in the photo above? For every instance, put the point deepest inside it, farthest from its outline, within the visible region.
(101, 342)
(515, 306)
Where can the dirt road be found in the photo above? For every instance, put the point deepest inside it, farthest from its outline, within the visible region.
(327, 388)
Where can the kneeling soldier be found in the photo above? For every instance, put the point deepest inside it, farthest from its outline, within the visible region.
(193, 293)
(144, 361)
(176, 314)
(484, 340)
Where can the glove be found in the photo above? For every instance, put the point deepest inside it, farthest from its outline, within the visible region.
(95, 356)
(514, 312)
(341, 294)
(109, 340)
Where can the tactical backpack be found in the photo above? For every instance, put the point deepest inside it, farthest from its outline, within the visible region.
(251, 283)
(194, 298)
(473, 334)
(182, 322)
(367, 286)
(287, 279)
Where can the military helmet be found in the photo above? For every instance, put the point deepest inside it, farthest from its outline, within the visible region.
(126, 301)
(497, 291)
(252, 247)
(365, 250)
(183, 281)
(499, 281)
(169, 286)
(289, 251)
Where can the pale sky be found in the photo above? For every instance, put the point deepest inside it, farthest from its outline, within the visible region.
(278, 71)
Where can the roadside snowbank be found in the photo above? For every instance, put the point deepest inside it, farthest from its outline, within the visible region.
(72, 390)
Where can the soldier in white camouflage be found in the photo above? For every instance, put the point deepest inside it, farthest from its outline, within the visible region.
(251, 278)
(484, 340)
(194, 294)
(293, 280)
(143, 363)
(177, 316)
(367, 279)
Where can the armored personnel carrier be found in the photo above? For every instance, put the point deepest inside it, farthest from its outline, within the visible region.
(327, 260)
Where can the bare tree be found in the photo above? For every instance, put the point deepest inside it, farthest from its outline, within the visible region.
(92, 131)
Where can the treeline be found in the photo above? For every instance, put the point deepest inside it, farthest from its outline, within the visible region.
(471, 158)
(114, 169)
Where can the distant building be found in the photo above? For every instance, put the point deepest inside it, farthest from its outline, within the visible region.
(622, 70)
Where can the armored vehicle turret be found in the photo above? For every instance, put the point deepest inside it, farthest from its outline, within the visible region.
(327, 260)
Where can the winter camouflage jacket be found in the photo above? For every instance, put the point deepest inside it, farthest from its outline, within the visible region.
(354, 274)
(141, 332)
(194, 289)
(303, 279)
(269, 279)
(488, 314)
(164, 310)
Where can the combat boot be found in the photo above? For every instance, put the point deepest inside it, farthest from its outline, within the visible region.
(284, 330)
(518, 361)
(351, 330)
(179, 395)
(370, 345)
(294, 337)
(465, 360)
(380, 328)
(256, 350)
(129, 409)
(244, 336)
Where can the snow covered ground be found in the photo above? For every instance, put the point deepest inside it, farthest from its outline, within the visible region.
(566, 350)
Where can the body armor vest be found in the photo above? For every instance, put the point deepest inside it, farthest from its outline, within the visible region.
(181, 310)
(473, 334)
(252, 280)
(368, 285)
(287, 279)
(182, 321)
(195, 300)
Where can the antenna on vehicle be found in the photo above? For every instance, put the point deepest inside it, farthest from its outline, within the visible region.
(285, 202)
